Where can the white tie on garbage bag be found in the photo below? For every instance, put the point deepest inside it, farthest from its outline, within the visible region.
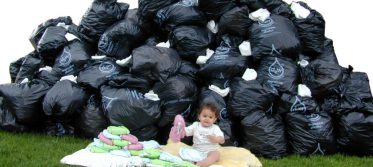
(164, 44)
(299, 11)
(151, 96)
(221, 92)
(46, 68)
(98, 57)
(71, 78)
(124, 62)
(304, 91)
(259, 15)
(203, 59)
(245, 48)
(303, 63)
(249, 74)
(212, 26)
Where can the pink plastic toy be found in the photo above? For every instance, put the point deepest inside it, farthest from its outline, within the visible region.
(178, 130)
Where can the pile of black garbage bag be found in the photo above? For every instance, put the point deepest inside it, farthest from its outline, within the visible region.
(123, 77)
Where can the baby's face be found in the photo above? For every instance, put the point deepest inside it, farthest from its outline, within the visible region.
(207, 117)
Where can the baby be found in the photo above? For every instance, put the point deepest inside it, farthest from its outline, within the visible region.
(206, 136)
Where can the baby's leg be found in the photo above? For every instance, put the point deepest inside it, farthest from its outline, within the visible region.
(211, 158)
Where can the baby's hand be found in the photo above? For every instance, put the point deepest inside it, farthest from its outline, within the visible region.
(215, 139)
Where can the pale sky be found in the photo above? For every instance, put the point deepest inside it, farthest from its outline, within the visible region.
(348, 24)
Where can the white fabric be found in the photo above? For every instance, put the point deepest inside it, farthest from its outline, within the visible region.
(124, 62)
(152, 96)
(303, 63)
(165, 156)
(24, 81)
(71, 78)
(46, 68)
(249, 74)
(150, 144)
(304, 91)
(192, 155)
(245, 48)
(212, 26)
(221, 92)
(84, 157)
(200, 140)
(108, 135)
(97, 57)
(203, 59)
(299, 11)
(164, 44)
(259, 15)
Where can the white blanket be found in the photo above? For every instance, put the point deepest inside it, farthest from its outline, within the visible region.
(84, 157)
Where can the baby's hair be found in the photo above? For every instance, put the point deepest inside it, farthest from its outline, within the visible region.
(210, 106)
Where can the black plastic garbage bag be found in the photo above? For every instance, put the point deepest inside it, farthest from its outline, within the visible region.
(155, 63)
(294, 103)
(25, 101)
(311, 31)
(131, 81)
(49, 77)
(215, 8)
(120, 39)
(63, 100)
(321, 77)
(353, 94)
(184, 12)
(355, 133)
(279, 7)
(39, 31)
(235, 21)
(98, 72)
(72, 58)
(225, 63)
(310, 133)
(101, 15)
(191, 41)
(14, 68)
(280, 73)
(328, 53)
(30, 65)
(146, 133)
(61, 104)
(176, 87)
(8, 121)
(91, 121)
(224, 120)
(264, 135)
(178, 94)
(52, 41)
(129, 108)
(189, 70)
(148, 8)
(249, 96)
(275, 34)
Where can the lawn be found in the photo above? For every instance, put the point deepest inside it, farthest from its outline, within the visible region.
(41, 150)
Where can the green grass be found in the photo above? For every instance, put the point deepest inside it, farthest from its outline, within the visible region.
(30, 149)
(337, 160)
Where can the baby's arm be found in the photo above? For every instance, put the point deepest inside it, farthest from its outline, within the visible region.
(190, 129)
(217, 136)
(216, 139)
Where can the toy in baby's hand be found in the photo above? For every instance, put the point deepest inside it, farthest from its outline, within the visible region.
(178, 130)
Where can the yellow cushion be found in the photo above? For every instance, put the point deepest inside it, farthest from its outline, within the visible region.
(229, 156)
